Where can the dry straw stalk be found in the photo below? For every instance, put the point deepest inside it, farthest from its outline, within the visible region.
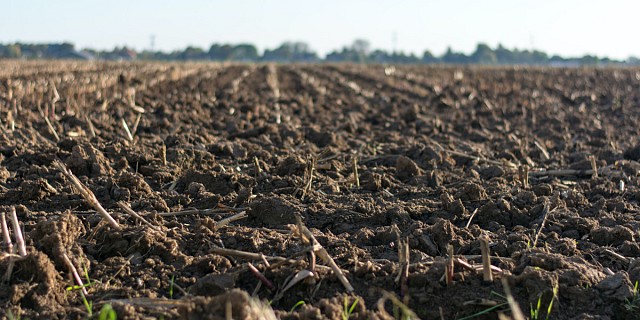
(87, 194)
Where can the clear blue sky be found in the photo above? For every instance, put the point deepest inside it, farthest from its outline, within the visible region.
(570, 28)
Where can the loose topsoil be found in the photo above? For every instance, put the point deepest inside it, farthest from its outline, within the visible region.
(396, 171)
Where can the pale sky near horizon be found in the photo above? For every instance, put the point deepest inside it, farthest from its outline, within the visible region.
(568, 28)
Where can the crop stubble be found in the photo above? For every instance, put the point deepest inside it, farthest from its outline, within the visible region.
(386, 167)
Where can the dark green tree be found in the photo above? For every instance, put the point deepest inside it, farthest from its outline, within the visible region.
(290, 51)
(244, 52)
(454, 57)
(192, 53)
(428, 57)
(484, 55)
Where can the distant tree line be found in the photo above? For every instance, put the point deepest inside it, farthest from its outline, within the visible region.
(358, 52)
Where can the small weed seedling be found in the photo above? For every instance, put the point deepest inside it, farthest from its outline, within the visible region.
(11, 316)
(633, 304)
(535, 312)
(86, 276)
(400, 310)
(173, 278)
(295, 306)
(107, 313)
(87, 304)
(348, 310)
(490, 309)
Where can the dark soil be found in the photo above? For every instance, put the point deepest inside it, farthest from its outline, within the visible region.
(444, 157)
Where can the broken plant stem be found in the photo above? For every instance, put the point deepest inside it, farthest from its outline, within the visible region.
(181, 289)
(136, 123)
(543, 150)
(311, 168)
(228, 310)
(264, 260)
(126, 129)
(257, 169)
(297, 278)
(471, 218)
(10, 256)
(405, 312)
(626, 261)
(260, 276)
(449, 268)
(87, 194)
(355, 171)
(403, 257)
(17, 233)
(479, 256)
(594, 166)
(56, 98)
(312, 261)
(125, 207)
(464, 264)
(308, 250)
(480, 159)
(245, 254)
(226, 221)
(10, 248)
(10, 265)
(324, 255)
(74, 273)
(163, 154)
(545, 213)
(487, 275)
(5, 233)
(3, 128)
(523, 173)
(52, 129)
(516, 312)
(198, 211)
(561, 172)
(92, 129)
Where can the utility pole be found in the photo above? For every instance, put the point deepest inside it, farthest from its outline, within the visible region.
(152, 42)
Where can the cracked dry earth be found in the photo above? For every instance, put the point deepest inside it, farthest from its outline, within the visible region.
(395, 171)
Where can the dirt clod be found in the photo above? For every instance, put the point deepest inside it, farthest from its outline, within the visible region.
(406, 168)
(273, 212)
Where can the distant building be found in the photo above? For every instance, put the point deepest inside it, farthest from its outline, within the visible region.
(76, 55)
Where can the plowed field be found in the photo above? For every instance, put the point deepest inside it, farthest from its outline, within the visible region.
(319, 191)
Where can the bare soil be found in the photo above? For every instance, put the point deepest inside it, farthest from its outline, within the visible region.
(367, 157)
